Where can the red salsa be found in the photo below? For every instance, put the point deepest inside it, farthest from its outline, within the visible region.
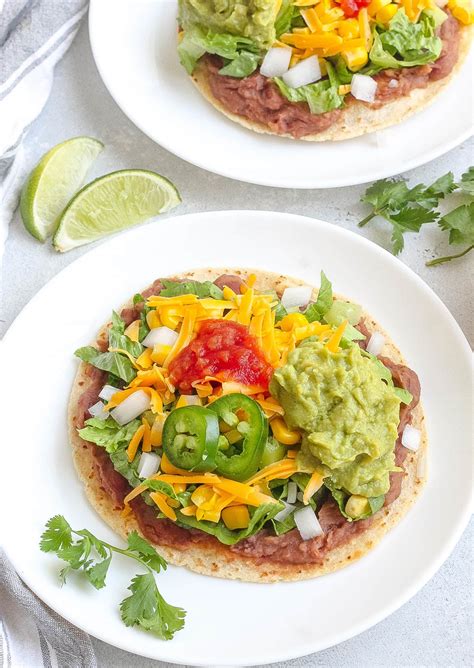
(222, 349)
(352, 7)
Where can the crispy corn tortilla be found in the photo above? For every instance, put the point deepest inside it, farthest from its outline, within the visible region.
(219, 560)
(358, 118)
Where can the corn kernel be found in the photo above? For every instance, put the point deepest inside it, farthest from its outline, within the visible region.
(356, 58)
(343, 90)
(293, 320)
(349, 28)
(283, 434)
(387, 13)
(153, 319)
(462, 10)
(376, 5)
(160, 353)
(236, 517)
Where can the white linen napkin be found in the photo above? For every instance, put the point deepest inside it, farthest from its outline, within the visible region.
(31, 634)
(34, 35)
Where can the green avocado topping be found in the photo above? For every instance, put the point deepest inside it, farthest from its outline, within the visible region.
(347, 413)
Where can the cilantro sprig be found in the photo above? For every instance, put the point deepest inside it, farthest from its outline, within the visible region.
(407, 209)
(82, 551)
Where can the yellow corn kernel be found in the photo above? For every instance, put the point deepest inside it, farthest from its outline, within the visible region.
(343, 90)
(387, 13)
(293, 320)
(348, 28)
(144, 361)
(236, 517)
(283, 434)
(160, 353)
(356, 58)
(323, 67)
(462, 10)
(153, 319)
(188, 400)
(157, 430)
(375, 5)
(132, 330)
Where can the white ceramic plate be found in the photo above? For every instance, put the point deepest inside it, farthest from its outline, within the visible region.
(229, 623)
(134, 46)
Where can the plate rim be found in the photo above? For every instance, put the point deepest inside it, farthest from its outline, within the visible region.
(457, 528)
(436, 152)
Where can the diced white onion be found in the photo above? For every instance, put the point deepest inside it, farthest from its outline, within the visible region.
(296, 297)
(97, 411)
(411, 438)
(393, 83)
(363, 87)
(160, 335)
(376, 343)
(283, 514)
(307, 71)
(292, 492)
(131, 407)
(148, 464)
(276, 62)
(307, 523)
(107, 392)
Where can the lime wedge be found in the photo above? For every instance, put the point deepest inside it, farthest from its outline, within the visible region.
(112, 203)
(52, 183)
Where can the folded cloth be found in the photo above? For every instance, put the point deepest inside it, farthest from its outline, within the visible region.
(34, 35)
(31, 634)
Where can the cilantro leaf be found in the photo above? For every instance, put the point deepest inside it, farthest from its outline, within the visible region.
(386, 193)
(467, 182)
(460, 224)
(323, 303)
(97, 573)
(57, 535)
(146, 607)
(147, 553)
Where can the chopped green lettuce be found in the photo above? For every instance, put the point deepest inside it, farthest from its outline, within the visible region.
(258, 517)
(242, 66)
(117, 338)
(341, 497)
(198, 41)
(323, 303)
(321, 96)
(108, 433)
(405, 44)
(201, 289)
(117, 364)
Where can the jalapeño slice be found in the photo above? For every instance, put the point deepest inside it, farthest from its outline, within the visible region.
(244, 430)
(190, 438)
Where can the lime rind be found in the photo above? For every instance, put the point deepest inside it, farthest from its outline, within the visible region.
(112, 203)
(52, 183)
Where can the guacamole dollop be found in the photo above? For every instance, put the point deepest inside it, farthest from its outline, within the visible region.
(347, 413)
(254, 19)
